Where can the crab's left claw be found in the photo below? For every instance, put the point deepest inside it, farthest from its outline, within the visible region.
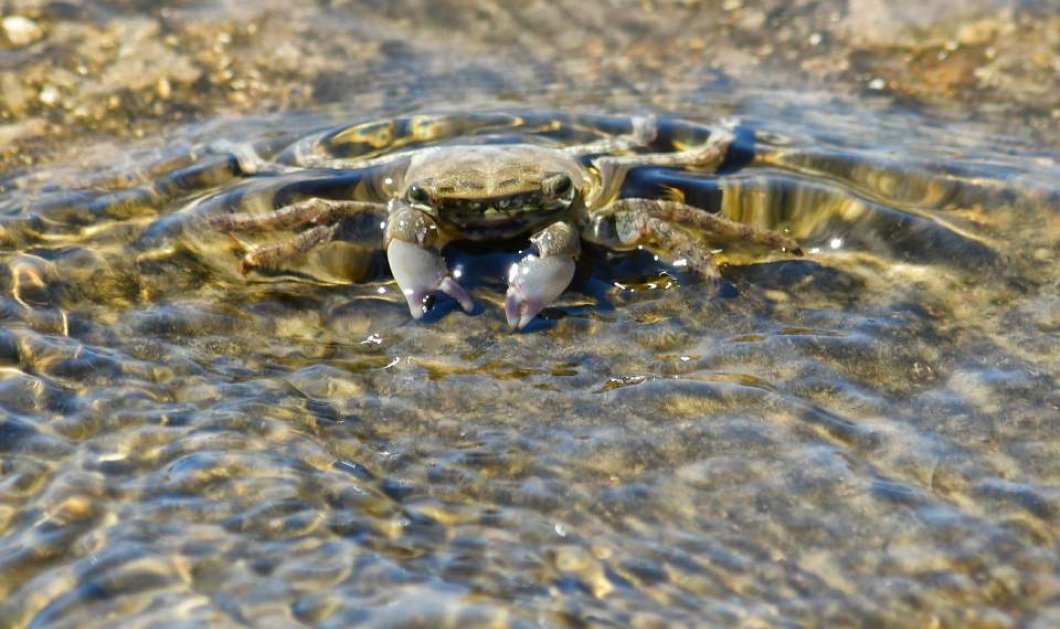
(535, 282)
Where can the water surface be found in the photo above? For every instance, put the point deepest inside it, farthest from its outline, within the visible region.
(867, 434)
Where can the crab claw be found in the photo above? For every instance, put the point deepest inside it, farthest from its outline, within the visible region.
(534, 283)
(420, 272)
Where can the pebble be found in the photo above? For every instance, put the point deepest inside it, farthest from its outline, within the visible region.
(21, 31)
(49, 95)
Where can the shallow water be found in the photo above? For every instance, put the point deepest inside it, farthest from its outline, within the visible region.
(864, 434)
(867, 434)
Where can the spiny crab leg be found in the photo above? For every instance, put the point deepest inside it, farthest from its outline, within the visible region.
(612, 169)
(627, 223)
(698, 218)
(535, 282)
(312, 210)
(270, 256)
(324, 213)
(412, 243)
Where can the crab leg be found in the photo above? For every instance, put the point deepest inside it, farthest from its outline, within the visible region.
(629, 223)
(612, 169)
(412, 244)
(270, 255)
(642, 133)
(682, 249)
(706, 156)
(698, 218)
(313, 210)
(535, 282)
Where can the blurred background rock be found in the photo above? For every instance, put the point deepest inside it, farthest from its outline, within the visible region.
(73, 70)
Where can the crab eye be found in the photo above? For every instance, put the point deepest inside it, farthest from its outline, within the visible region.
(559, 185)
(418, 195)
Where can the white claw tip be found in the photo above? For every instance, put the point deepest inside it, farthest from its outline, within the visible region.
(518, 311)
(417, 304)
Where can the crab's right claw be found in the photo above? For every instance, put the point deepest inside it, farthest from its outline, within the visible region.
(534, 283)
(420, 272)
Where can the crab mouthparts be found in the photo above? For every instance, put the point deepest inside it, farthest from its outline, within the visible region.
(492, 214)
(489, 222)
(500, 210)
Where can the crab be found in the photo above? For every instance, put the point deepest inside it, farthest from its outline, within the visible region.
(558, 197)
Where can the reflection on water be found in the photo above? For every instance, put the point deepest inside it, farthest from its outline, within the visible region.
(865, 434)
